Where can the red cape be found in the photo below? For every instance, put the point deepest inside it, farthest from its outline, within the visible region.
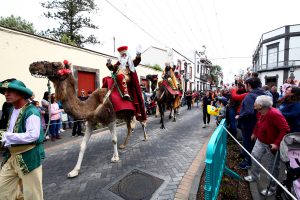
(134, 90)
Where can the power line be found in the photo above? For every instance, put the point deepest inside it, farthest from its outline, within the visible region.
(208, 29)
(143, 15)
(198, 24)
(135, 23)
(166, 31)
(218, 25)
(169, 24)
(186, 22)
(226, 58)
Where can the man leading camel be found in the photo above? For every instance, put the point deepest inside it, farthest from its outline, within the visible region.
(21, 172)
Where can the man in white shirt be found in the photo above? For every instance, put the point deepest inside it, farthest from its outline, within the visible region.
(21, 172)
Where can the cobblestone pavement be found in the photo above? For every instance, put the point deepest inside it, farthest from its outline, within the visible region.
(168, 154)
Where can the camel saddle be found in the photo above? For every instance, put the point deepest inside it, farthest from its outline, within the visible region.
(169, 88)
(118, 102)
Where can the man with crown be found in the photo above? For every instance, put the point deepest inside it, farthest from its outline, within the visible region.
(125, 76)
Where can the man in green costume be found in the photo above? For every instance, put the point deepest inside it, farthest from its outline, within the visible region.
(21, 169)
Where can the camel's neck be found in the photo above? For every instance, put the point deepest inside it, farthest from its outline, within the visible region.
(65, 91)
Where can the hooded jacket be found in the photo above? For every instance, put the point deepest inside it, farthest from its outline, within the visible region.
(247, 109)
(291, 112)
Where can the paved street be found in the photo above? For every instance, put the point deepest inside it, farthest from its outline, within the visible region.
(167, 154)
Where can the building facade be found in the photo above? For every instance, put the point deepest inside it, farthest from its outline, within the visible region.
(18, 50)
(185, 66)
(277, 56)
(205, 66)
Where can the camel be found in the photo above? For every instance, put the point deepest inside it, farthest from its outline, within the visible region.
(164, 99)
(97, 108)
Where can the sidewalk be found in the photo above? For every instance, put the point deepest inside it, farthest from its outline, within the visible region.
(256, 187)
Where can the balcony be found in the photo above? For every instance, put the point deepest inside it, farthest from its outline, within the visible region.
(271, 67)
(203, 77)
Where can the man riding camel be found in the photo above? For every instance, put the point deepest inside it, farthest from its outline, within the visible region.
(169, 76)
(124, 74)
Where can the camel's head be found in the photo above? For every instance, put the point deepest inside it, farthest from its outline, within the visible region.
(54, 71)
(153, 78)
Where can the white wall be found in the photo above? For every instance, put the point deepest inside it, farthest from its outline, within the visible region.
(280, 52)
(273, 33)
(295, 28)
(297, 74)
(154, 56)
(272, 73)
(294, 52)
(18, 50)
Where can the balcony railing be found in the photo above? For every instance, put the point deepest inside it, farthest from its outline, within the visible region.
(203, 77)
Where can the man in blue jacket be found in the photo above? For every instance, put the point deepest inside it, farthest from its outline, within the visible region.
(247, 117)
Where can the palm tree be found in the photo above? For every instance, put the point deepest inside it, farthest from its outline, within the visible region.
(215, 72)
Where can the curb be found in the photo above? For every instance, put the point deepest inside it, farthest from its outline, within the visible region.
(189, 184)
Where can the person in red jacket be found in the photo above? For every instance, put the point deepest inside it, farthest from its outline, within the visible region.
(270, 128)
(238, 96)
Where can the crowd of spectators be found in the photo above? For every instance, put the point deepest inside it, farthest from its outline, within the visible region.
(263, 114)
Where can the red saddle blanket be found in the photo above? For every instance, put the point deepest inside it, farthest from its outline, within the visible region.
(115, 98)
(173, 92)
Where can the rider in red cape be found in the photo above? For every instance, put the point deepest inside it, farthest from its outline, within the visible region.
(127, 80)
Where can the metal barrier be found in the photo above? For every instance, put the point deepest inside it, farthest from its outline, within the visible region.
(215, 162)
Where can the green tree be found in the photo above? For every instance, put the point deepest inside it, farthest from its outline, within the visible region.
(67, 40)
(17, 23)
(72, 16)
(155, 67)
(215, 72)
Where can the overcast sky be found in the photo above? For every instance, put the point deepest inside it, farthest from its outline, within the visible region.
(228, 28)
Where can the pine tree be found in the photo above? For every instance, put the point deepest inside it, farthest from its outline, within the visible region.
(17, 23)
(72, 16)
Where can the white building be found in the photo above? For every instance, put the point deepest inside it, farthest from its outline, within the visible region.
(185, 66)
(18, 50)
(277, 55)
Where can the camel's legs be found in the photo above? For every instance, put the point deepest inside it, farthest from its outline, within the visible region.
(83, 146)
(144, 129)
(171, 111)
(112, 128)
(174, 115)
(129, 130)
(161, 111)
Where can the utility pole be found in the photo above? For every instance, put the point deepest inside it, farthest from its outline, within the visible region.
(114, 46)
(195, 70)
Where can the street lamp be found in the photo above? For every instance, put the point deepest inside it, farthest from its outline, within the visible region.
(292, 68)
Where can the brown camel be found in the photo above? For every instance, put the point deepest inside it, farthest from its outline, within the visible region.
(97, 108)
(164, 99)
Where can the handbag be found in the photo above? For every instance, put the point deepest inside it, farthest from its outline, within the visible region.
(64, 117)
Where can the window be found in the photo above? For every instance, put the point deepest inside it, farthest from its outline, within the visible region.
(179, 65)
(201, 70)
(191, 72)
(198, 67)
(272, 56)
